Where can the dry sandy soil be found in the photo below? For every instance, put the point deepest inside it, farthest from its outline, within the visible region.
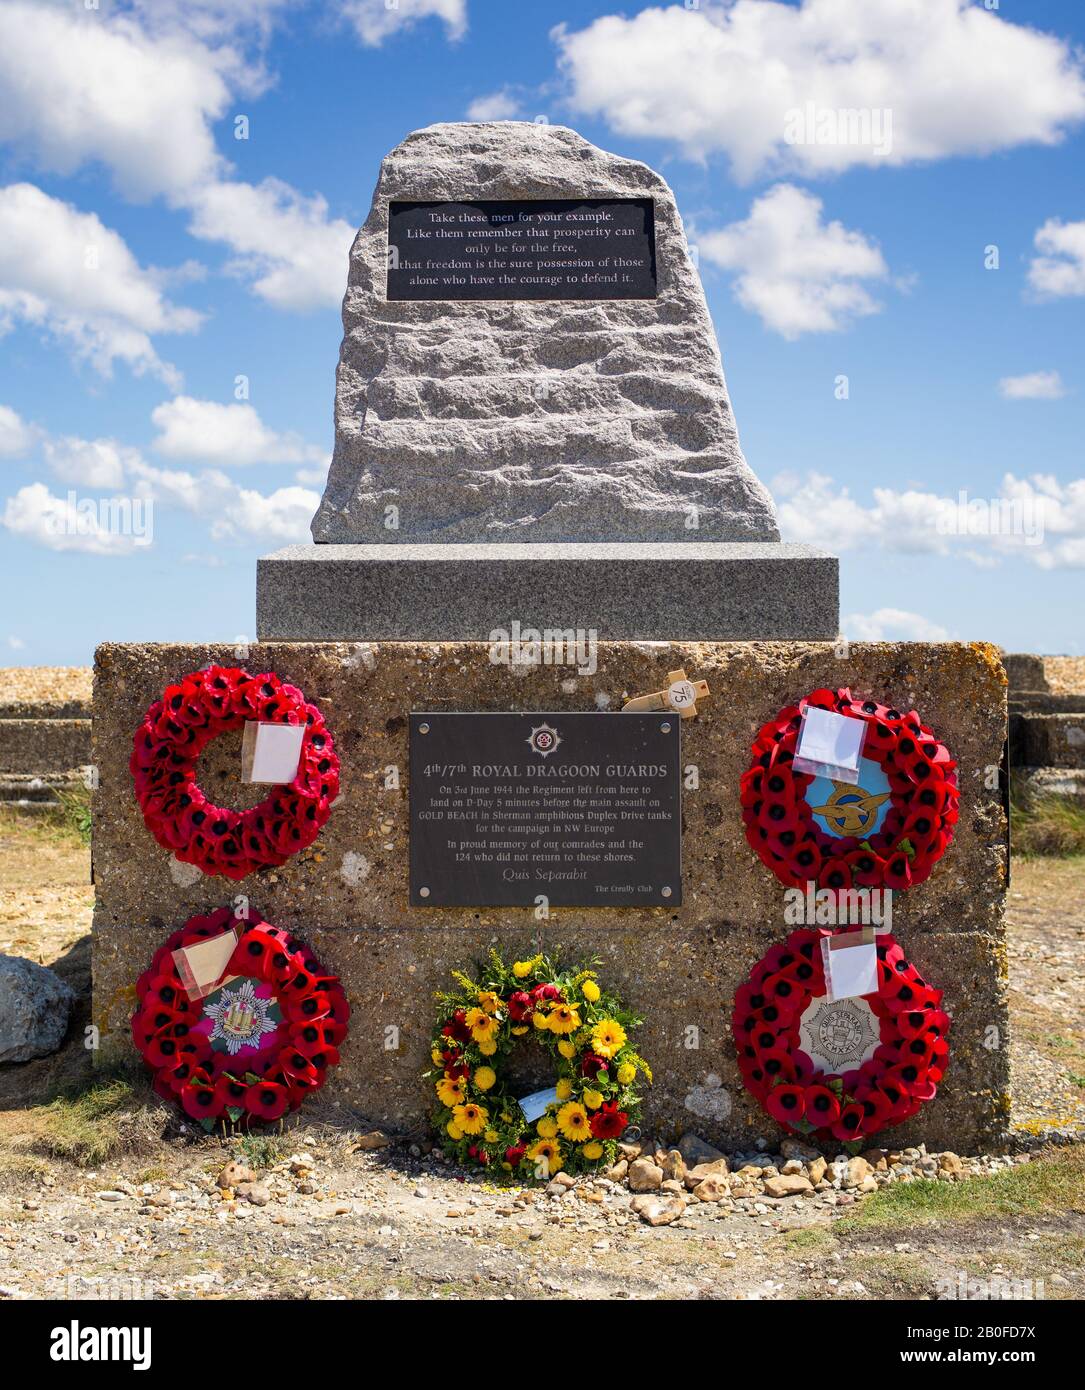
(110, 1195)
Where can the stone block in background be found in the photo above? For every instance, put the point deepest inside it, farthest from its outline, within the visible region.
(1024, 671)
(347, 894)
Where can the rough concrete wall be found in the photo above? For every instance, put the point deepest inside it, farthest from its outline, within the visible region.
(347, 894)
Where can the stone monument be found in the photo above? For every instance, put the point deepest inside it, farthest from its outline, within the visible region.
(531, 414)
(532, 426)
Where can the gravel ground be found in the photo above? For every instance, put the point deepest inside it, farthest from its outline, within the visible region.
(1065, 674)
(44, 684)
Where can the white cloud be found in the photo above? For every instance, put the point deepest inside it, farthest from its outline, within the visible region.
(1036, 518)
(58, 524)
(1032, 386)
(892, 625)
(1060, 268)
(235, 513)
(16, 644)
(287, 248)
(139, 93)
(16, 436)
(798, 273)
(230, 434)
(65, 273)
(502, 105)
(724, 76)
(374, 20)
(76, 89)
(89, 463)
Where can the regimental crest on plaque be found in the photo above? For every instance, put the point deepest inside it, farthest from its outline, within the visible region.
(839, 1035)
(240, 1018)
(543, 740)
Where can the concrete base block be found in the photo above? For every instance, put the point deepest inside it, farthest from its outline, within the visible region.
(710, 591)
(678, 966)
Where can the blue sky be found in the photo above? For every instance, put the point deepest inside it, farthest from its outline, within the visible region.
(220, 258)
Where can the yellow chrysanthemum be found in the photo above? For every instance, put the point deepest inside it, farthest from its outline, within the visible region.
(608, 1037)
(593, 1099)
(485, 1078)
(564, 1088)
(567, 1049)
(471, 1118)
(540, 1020)
(563, 1018)
(626, 1073)
(451, 1092)
(487, 1048)
(518, 1032)
(590, 990)
(573, 1122)
(593, 1150)
(453, 1130)
(435, 1055)
(546, 1153)
(547, 1127)
(520, 968)
(491, 1136)
(489, 1001)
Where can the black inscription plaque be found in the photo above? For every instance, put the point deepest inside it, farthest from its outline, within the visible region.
(558, 248)
(584, 809)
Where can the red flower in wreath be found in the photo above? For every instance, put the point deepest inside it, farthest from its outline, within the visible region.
(839, 1069)
(258, 1043)
(857, 837)
(167, 746)
(609, 1122)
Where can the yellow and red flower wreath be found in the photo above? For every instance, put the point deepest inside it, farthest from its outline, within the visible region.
(587, 1033)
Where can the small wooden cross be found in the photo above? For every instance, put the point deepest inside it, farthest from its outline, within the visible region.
(681, 695)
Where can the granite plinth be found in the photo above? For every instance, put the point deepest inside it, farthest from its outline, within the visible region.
(692, 591)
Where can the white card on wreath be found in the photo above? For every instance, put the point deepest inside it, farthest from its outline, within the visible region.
(830, 745)
(271, 752)
(851, 966)
(535, 1104)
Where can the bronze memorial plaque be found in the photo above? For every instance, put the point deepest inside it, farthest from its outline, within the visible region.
(583, 809)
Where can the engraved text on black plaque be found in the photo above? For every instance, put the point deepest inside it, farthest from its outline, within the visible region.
(582, 809)
(560, 248)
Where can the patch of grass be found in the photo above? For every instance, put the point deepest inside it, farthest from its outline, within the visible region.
(808, 1240)
(1049, 1185)
(74, 812)
(1048, 825)
(261, 1150)
(87, 1125)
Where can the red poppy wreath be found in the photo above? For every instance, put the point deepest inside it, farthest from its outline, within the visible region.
(887, 832)
(255, 1046)
(175, 731)
(844, 1068)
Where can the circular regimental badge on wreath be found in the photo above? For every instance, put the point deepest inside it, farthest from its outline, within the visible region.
(886, 831)
(175, 731)
(838, 1068)
(262, 1039)
(586, 1032)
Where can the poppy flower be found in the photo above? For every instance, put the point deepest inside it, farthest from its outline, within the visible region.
(608, 1122)
(786, 1103)
(268, 1100)
(200, 1098)
(850, 1124)
(231, 1090)
(822, 1106)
